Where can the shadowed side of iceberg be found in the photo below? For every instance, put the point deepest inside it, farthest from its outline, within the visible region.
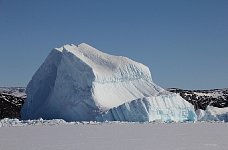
(41, 86)
(61, 89)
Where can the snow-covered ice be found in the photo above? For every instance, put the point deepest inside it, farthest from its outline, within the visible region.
(59, 135)
(81, 83)
(213, 114)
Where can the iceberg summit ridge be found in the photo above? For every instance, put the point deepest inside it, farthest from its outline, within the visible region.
(81, 83)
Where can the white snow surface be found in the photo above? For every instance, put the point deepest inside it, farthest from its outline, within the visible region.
(79, 83)
(213, 114)
(60, 135)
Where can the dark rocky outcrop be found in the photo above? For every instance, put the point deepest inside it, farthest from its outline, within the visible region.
(202, 98)
(11, 101)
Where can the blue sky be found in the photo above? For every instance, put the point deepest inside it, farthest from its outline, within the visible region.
(184, 43)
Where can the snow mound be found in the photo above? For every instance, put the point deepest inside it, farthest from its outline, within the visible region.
(79, 83)
(213, 114)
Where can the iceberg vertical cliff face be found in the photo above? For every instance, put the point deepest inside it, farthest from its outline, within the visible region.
(166, 108)
(213, 114)
(79, 83)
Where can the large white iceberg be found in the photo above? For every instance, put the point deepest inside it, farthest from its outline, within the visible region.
(81, 83)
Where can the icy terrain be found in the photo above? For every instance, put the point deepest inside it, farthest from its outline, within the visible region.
(166, 108)
(78, 83)
(213, 114)
(57, 135)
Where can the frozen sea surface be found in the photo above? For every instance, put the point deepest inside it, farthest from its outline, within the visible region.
(115, 136)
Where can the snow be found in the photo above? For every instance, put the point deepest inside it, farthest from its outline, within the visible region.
(14, 91)
(214, 94)
(213, 114)
(79, 83)
(6, 122)
(112, 136)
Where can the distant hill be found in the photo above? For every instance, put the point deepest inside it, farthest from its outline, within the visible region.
(202, 98)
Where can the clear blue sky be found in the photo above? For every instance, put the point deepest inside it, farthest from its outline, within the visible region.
(184, 42)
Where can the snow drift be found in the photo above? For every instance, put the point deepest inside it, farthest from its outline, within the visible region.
(81, 83)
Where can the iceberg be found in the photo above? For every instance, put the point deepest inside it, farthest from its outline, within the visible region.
(81, 83)
(166, 107)
(213, 114)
